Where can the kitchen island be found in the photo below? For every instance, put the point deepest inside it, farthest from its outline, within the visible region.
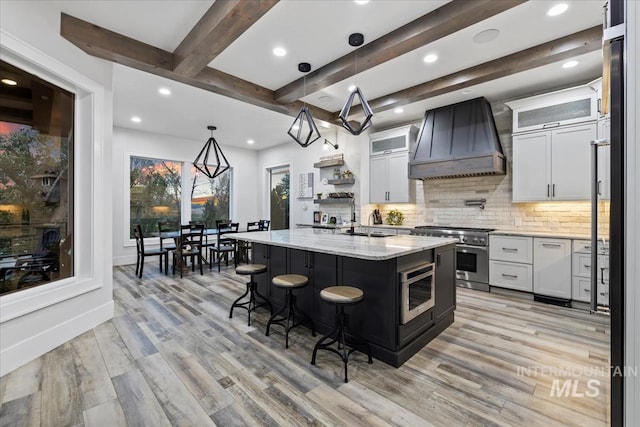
(373, 264)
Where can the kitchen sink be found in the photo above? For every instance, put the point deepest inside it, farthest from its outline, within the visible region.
(374, 234)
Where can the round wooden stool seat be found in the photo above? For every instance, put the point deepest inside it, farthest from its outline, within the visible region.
(251, 269)
(342, 294)
(290, 281)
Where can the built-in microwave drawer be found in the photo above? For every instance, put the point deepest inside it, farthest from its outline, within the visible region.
(511, 275)
(511, 248)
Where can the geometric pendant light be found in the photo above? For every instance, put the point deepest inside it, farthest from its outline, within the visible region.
(210, 150)
(355, 128)
(303, 129)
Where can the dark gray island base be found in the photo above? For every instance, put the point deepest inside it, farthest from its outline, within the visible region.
(378, 318)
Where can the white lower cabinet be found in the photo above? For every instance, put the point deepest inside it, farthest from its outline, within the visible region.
(552, 267)
(511, 275)
(510, 262)
(582, 270)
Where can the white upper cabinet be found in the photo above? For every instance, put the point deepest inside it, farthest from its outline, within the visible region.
(553, 164)
(547, 111)
(389, 166)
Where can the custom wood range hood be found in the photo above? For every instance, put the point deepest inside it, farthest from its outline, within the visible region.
(458, 140)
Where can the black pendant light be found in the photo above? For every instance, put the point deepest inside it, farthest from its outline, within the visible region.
(303, 129)
(355, 128)
(202, 162)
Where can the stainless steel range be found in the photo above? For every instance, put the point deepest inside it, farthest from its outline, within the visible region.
(472, 253)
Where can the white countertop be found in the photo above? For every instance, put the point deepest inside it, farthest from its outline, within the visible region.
(338, 243)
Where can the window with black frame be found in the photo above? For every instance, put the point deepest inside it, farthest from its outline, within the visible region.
(210, 198)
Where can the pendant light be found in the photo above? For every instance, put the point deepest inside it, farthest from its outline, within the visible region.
(303, 129)
(356, 39)
(202, 160)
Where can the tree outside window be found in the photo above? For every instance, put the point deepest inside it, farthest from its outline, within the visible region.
(155, 193)
(210, 198)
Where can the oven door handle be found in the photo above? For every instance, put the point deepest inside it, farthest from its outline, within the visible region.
(409, 281)
(479, 248)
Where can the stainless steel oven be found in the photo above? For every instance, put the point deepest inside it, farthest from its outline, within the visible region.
(472, 265)
(418, 290)
(472, 253)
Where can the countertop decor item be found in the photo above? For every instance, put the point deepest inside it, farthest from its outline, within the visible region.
(336, 173)
(355, 128)
(303, 129)
(395, 217)
(347, 174)
(202, 160)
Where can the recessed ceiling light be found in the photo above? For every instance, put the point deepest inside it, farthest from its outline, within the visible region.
(250, 141)
(279, 51)
(558, 9)
(432, 57)
(486, 36)
(164, 91)
(9, 82)
(362, 1)
(467, 91)
(398, 110)
(325, 125)
(351, 88)
(324, 98)
(295, 127)
(136, 119)
(570, 64)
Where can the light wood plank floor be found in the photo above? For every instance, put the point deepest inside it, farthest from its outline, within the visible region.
(171, 356)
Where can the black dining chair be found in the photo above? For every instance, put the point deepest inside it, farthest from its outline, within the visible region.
(243, 248)
(189, 246)
(142, 252)
(164, 227)
(225, 245)
(264, 224)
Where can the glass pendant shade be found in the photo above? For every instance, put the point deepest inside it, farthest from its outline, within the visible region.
(358, 128)
(303, 129)
(211, 149)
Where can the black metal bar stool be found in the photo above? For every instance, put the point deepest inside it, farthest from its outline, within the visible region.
(252, 291)
(286, 317)
(341, 296)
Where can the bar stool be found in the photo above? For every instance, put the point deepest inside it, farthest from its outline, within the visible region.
(289, 282)
(252, 290)
(341, 296)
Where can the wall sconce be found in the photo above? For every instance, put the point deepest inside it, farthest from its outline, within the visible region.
(327, 142)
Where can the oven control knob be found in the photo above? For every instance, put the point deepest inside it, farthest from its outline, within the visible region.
(463, 239)
(475, 240)
(482, 240)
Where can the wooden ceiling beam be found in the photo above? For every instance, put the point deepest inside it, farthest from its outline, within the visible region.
(111, 46)
(567, 47)
(221, 25)
(445, 20)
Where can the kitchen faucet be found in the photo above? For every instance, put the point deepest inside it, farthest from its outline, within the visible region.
(353, 215)
(369, 224)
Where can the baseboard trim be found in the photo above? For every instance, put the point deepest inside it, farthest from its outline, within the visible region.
(35, 346)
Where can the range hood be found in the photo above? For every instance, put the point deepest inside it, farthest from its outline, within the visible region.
(458, 140)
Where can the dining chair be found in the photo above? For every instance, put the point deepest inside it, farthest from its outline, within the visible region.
(243, 248)
(142, 252)
(225, 245)
(164, 227)
(189, 245)
(264, 224)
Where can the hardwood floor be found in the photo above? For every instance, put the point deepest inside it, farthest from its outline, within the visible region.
(171, 356)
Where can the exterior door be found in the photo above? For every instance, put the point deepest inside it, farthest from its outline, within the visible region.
(279, 191)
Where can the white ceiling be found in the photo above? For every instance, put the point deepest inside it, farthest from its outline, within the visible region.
(316, 31)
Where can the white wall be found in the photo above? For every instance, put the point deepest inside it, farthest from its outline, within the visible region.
(301, 161)
(39, 319)
(127, 142)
